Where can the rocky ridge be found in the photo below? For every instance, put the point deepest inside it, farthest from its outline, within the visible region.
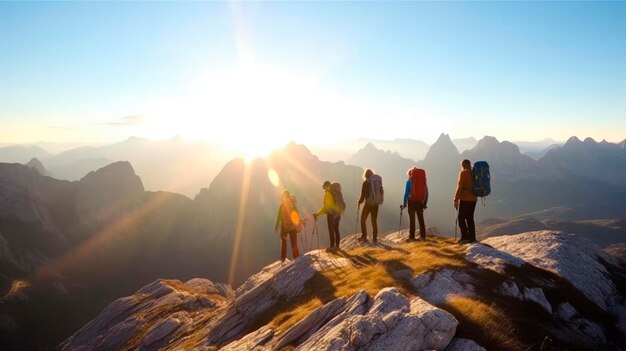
(422, 312)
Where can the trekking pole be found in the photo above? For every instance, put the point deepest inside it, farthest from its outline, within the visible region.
(317, 233)
(303, 236)
(456, 222)
(400, 224)
(356, 227)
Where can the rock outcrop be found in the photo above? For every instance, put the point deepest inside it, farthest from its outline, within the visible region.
(410, 315)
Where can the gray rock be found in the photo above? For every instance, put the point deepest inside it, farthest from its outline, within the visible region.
(570, 256)
(163, 329)
(255, 341)
(460, 344)
(392, 322)
(577, 325)
(436, 286)
(490, 258)
(536, 295)
(259, 293)
(159, 304)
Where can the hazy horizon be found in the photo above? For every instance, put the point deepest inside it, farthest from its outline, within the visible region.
(256, 75)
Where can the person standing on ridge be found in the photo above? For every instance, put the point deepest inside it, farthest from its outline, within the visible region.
(333, 215)
(372, 194)
(290, 223)
(416, 197)
(465, 203)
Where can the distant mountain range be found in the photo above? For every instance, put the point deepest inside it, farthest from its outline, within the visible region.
(193, 166)
(170, 165)
(103, 236)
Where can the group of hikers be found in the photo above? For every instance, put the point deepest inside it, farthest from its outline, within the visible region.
(469, 187)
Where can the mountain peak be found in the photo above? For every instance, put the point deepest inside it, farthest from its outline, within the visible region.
(622, 144)
(37, 165)
(590, 141)
(443, 147)
(488, 140)
(370, 147)
(107, 192)
(573, 141)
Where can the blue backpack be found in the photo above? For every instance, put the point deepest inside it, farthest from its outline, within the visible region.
(482, 186)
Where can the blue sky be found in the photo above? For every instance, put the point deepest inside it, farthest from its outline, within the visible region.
(79, 71)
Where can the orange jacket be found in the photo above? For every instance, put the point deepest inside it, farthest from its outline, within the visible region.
(464, 187)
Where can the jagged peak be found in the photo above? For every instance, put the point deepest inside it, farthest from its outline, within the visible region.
(590, 141)
(573, 141)
(488, 140)
(443, 146)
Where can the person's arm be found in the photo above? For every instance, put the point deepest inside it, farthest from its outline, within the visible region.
(426, 194)
(364, 192)
(328, 202)
(407, 192)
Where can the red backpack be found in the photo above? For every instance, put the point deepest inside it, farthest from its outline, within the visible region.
(418, 185)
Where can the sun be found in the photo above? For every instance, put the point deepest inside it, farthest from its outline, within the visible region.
(249, 109)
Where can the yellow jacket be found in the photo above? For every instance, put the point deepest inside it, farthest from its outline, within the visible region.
(329, 204)
(464, 187)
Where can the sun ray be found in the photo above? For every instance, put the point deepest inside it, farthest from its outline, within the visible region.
(243, 200)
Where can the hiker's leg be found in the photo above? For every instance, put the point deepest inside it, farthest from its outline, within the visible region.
(283, 246)
(337, 236)
(294, 244)
(364, 214)
(411, 221)
(331, 220)
(420, 218)
(470, 221)
(374, 211)
(462, 220)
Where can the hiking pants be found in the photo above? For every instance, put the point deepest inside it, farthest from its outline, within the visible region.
(293, 236)
(333, 229)
(367, 210)
(466, 220)
(416, 208)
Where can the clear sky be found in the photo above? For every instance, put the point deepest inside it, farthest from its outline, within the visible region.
(263, 73)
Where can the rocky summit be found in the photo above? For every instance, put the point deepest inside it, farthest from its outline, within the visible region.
(539, 290)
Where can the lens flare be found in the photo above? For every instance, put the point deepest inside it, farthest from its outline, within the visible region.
(273, 177)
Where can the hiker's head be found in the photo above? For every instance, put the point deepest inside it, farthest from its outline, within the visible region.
(326, 185)
(368, 172)
(285, 195)
(410, 171)
(466, 164)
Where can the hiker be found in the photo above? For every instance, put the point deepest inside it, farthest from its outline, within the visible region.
(333, 215)
(372, 196)
(290, 223)
(465, 203)
(416, 198)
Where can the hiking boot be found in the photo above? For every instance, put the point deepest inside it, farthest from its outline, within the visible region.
(463, 241)
(410, 239)
(362, 239)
